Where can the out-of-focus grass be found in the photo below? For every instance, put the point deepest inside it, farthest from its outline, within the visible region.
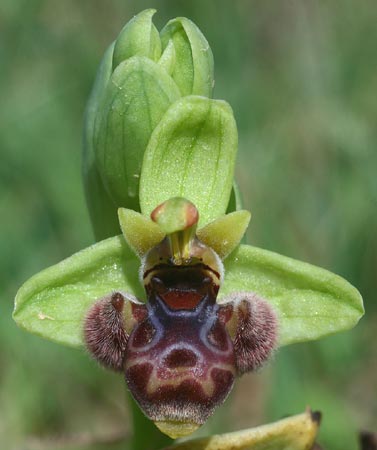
(302, 79)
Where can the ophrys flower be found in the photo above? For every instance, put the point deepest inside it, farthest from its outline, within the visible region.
(181, 351)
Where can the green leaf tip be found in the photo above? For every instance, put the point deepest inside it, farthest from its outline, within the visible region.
(293, 433)
(310, 302)
(140, 232)
(225, 233)
(191, 154)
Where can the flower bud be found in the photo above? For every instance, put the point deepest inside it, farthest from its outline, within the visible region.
(143, 74)
(137, 96)
(139, 37)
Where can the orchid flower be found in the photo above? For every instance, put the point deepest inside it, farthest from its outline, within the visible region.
(176, 302)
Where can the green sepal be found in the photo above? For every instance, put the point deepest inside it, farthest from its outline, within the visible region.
(102, 209)
(293, 433)
(191, 154)
(137, 96)
(139, 37)
(310, 302)
(140, 232)
(225, 233)
(194, 69)
(53, 303)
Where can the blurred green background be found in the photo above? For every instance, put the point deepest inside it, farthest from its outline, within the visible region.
(302, 80)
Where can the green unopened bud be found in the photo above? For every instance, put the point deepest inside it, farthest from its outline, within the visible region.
(193, 70)
(137, 96)
(139, 37)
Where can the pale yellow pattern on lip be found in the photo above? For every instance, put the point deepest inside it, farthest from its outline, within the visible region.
(178, 376)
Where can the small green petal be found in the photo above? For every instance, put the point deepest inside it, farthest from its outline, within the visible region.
(310, 302)
(294, 433)
(138, 94)
(140, 232)
(193, 71)
(225, 233)
(53, 303)
(102, 209)
(139, 37)
(191, 154)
